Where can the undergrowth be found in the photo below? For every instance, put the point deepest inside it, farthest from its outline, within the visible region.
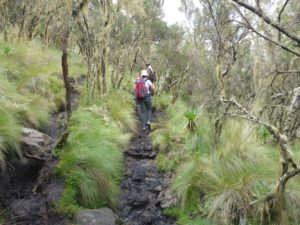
(31, 88)
(91, 163)
(216, 181)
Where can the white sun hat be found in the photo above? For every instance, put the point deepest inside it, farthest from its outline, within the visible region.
(144, 73)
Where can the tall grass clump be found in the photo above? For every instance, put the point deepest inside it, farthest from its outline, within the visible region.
(120, 107)
(2, 218)
(31, 82)
(10, 133)
(25, 107)
(219, 181)
(92, 161)
(169, 136)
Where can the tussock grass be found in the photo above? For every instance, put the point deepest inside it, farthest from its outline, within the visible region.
(31, 88)
(224, 174)
(162, 102)
(120, 107)
(169, 135)
(10, 132)
(2, 218)
(216, 181)
(171, 127)
(117, 106)
(92, 161)
(31, 80)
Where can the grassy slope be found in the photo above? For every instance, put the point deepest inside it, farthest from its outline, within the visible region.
(216, 181)
(31, 88)
(91, 164)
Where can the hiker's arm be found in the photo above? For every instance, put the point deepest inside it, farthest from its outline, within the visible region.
(153, 88)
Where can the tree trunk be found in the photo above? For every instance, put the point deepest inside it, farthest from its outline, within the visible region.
(5, 35)
(103, 71)
(65, 70)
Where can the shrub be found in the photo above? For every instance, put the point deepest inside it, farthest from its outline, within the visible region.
(92, 162)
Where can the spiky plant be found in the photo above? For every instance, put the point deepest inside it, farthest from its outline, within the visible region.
(191, 117)
(6, 50)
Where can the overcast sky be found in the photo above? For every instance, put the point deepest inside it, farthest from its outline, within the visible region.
(172, 14)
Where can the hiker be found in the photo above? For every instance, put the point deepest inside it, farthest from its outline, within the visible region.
(143, 90)
(151, 73)
(138, 105)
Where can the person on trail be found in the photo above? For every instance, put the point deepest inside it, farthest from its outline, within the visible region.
(149, 68)
(143, 90)
(138, 105)
(151, 73)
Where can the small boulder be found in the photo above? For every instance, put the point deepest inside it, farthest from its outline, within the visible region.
(167, 199)
(103, 216)
(35, 143)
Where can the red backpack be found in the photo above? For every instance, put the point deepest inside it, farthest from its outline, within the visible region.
(140, 89)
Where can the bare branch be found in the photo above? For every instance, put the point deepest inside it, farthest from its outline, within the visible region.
(281, 11)
(269, 21)
(249, 26)
(291, 111)
(288, 72)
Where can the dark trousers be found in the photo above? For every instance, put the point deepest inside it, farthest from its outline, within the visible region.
(146, 110)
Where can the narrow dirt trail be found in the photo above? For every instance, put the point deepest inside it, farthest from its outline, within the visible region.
(141, 185)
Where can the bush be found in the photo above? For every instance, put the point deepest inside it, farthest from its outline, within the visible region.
(216, 181)
(120, 107)
(169, 136)
(92, 161)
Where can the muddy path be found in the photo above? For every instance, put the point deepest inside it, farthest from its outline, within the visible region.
(29, 187)
(139, 202)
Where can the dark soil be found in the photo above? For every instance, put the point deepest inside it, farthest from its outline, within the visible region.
(21, 204)
(142, 183)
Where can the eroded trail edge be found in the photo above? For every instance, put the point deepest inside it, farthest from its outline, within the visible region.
(142, 187)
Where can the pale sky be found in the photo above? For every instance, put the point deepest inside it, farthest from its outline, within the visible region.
(172, 14)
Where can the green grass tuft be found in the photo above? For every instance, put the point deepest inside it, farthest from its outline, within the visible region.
(10, 133)
(216, 181)
(92, 161)
(5, 50)
(2, 218)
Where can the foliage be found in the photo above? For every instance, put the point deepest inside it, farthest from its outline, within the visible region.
(168, 135)
(120, 107)
(191, 117)
(263, 133)
(10, 132)
(2, 218)
(220, 179)
(31, 89)
(5, 50)
(92, 161)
